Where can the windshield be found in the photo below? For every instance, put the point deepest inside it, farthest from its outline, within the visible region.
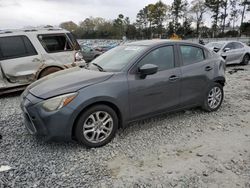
(218, 45)
(117, 58)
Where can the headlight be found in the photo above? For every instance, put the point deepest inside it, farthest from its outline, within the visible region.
(57, 103)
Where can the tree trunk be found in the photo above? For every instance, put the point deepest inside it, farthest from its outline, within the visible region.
(242, 16)
(224, 18)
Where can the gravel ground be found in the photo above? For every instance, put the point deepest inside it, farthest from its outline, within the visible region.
(185, 149)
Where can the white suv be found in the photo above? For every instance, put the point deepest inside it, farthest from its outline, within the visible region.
(27, 55)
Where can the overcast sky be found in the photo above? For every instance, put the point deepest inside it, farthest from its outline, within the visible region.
(22, 13)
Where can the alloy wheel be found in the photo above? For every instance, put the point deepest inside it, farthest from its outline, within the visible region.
(98, 126)
(214, 97)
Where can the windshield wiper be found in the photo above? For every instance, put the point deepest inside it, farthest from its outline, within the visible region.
(99, 67)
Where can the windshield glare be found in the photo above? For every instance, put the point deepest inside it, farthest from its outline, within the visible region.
(117, 58)
(215, 45)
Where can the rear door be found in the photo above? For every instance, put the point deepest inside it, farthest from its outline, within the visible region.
(19, 59)
(157, 92)
(234, 54)
(197, 73)
(239, 51)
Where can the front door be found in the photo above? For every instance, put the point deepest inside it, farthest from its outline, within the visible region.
(19, 59)
(156, 92)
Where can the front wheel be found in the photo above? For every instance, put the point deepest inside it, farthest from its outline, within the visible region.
(214, 98)
(97, 126)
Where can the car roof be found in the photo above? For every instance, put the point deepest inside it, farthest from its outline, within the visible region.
(30, 31)
(156, 42)
(224, 41)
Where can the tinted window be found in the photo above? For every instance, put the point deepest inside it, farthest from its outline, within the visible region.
(238, 45)
(15, 46)
(55, 43)
(162, 57)
(191, 54)
(230, 45)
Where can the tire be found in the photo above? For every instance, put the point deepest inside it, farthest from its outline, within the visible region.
(93, 133)
(48, 71)
(212, 102)
(245, 60)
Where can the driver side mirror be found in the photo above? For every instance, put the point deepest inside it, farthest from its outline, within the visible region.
(147, 69)
(226, 49)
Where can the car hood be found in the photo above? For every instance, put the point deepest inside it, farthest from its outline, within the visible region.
(66, 81)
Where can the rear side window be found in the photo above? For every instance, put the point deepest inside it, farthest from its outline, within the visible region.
(191, 54)
(15, 47)
(55, 43)
(162, 57)
(238, 45)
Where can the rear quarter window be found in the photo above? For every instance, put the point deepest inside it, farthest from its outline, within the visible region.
(16, 47)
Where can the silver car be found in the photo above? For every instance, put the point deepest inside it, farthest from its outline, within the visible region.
(233, 52)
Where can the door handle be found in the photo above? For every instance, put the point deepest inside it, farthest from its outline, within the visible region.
(208, 68)
(173, 78)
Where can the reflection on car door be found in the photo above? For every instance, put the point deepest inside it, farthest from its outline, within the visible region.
(19, 59)
(156, 92)
(196, 72)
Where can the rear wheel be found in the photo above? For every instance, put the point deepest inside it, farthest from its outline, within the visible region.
(48, 71)
(213, 98)
(245, 60)
(97, 126)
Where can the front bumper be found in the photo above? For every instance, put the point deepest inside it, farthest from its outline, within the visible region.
(55, 125)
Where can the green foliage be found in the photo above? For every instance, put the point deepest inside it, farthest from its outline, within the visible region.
(160, 20)
(178, 8)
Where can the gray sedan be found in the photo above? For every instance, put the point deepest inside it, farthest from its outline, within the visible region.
(128, 83)
(233, 52)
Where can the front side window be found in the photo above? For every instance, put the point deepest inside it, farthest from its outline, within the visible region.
(15, 47)
(191, 54)
(162, 57)
(55, 43)
(230, 46)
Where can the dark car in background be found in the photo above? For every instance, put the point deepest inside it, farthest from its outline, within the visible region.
(89, 53)
(127, 83)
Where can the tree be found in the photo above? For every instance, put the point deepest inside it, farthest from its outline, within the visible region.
(246, 7)
(177, 9)
(234, 14)
(245, 28)
(159, 11)
(198, 7)
(70, 26)
(224, 14)
(214, 6)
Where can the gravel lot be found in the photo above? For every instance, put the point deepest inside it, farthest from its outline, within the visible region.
(185, 149)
